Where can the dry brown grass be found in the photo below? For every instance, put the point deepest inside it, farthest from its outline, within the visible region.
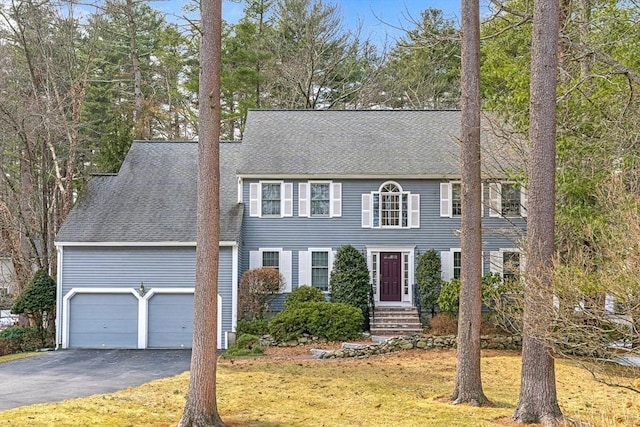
(288, 389)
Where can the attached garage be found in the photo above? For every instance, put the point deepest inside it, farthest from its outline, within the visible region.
(170, 321)
(103, 320)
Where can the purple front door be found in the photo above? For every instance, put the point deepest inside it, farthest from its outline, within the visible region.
(391, 276)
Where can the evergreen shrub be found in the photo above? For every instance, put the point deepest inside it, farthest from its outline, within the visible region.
(303, 294)
(333, 321)
(350, 282)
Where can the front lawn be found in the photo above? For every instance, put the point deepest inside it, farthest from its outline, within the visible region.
(400, 389)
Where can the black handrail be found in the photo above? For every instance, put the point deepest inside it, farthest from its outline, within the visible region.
(417, 302)
(371, 304)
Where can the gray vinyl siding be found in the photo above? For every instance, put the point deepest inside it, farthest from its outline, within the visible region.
(435, 232)
(156, 267)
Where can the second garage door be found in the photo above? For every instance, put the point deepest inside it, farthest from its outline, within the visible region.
(170, 321)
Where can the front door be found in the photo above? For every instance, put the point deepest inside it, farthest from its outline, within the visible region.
(391, 276)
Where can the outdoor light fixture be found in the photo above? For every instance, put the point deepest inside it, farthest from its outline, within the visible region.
(142, 290)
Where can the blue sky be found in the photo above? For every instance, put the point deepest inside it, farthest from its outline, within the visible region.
(379, 18)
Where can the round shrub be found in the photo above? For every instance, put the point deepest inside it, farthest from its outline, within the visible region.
(256, 290)
(303, 294)
(246, 345)
(333, 321)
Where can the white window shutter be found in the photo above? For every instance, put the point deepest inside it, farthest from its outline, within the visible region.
(495, 200)
(304, 276)
(285, 269)
(523, 201)
(367, 217)
(303, 199)
(332, 257)
(481, 199)
(287, 199)
(495, 262)
(414, 211)
(523, 263)
(254, 199)
(255, 260)
(446, 265)
(445, 199)
(336, 199)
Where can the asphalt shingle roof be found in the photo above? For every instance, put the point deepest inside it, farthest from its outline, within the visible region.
(153, 197)
(352, 143)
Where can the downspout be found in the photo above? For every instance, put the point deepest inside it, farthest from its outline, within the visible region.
(59, 297)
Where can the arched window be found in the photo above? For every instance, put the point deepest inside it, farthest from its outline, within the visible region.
(390, 207)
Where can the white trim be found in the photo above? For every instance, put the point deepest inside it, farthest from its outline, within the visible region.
(300, 176)
(329, 252)
(406, 300)
(122, 243)
(59, 281)
(106, 290)
(143, 309)
(141, 244)
(234, 288)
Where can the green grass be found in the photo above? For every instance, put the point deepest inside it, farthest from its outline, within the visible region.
(10, 357)
(401, 389)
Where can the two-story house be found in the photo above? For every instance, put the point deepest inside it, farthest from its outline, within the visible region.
(300, 185)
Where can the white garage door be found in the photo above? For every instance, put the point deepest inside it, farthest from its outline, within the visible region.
(170, 321)
(103, 321)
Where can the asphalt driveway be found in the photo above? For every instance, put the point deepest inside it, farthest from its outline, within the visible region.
(58, 375)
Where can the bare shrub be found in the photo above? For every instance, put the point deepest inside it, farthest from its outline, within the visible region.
(443, 324)
(257, 288)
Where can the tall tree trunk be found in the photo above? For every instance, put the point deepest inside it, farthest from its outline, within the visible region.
(468, 388)
(538, 400)
(141, 128)
(201, 407)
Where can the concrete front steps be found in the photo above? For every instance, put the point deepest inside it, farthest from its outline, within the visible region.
(394, 321)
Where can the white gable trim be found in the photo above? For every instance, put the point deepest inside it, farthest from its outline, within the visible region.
(141, 244)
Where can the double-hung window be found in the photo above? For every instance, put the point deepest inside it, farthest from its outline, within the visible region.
(314, 267)
(271, 259)
(320, 199)
(508, 263)
(510, 266)
(451, 264)
(276, 258)
(320, 270)
(451, 199)
(390, 207)
(271, 199)
(507, 199)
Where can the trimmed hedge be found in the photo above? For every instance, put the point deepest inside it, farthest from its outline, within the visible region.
(333, 321)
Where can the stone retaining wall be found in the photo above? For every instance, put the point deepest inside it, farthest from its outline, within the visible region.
(497, 342)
